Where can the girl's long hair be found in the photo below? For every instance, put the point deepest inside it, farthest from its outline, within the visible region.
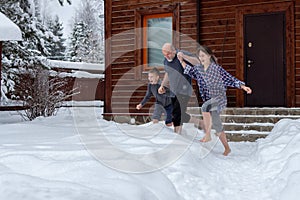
(207, 51)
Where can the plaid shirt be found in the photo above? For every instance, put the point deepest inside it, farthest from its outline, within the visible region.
(213, 82)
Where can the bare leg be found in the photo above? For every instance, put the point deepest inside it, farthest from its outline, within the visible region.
(201, 124)
(223, 139)
(207, 126)
(155, 121)
(178, 129)
(197, 122)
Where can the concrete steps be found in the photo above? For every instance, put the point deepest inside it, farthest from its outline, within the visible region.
(249, 124)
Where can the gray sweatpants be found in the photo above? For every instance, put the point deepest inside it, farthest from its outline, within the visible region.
(212, 107)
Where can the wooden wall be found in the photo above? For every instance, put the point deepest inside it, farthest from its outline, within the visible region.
(126, 82)
(297, 53)
(217, 20)
(217, 30)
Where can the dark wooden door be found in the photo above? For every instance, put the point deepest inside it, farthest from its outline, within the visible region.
(265, 70)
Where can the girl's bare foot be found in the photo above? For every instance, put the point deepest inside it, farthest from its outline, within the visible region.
(227, 151)
(206, 138)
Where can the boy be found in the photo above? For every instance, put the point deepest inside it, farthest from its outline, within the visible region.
(163, 103)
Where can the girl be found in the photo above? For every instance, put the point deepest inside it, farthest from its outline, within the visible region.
(212, 81)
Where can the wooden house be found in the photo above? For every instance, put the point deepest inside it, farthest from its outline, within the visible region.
(257, 41)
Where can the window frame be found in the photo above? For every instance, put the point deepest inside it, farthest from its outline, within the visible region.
(145, 38)
(173, 10)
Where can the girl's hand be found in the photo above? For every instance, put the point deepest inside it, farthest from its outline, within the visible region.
(180, 56)
(246, 89)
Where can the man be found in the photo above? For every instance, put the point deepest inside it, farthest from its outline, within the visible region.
(180, 85)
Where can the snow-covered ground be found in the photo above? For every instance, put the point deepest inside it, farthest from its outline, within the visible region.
(78, 155)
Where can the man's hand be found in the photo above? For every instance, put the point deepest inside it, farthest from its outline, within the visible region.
(161, 90)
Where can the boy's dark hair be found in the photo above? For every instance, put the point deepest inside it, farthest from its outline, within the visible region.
(154, 70)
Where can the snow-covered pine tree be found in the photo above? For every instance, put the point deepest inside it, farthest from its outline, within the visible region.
(57, 47)
(25, 58)
(79, 46)
(90, 13)
(19, 56)
(34, 34)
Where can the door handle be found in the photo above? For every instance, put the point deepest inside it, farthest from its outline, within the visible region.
(250, 62)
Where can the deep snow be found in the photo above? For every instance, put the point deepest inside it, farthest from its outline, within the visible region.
(78, 155)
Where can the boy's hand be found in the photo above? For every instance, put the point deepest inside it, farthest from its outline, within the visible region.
(246, 89)
(139, 106)
(161, 90)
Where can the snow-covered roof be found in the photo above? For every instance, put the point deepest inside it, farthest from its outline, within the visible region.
(8, 29)
(76, 65)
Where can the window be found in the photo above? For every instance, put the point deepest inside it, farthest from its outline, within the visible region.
(157, 31)
(148, 40)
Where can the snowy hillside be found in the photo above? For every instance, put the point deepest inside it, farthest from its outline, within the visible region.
(78, 155)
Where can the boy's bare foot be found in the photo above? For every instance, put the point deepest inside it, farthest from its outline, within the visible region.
(206, 138)
(169, 124)
(226, 152)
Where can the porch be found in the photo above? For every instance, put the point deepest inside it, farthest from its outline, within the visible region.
(240, 124)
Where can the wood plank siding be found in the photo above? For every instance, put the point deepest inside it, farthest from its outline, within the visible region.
(126, 79)
(219, 21)
(297, 53)
(215, 23)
